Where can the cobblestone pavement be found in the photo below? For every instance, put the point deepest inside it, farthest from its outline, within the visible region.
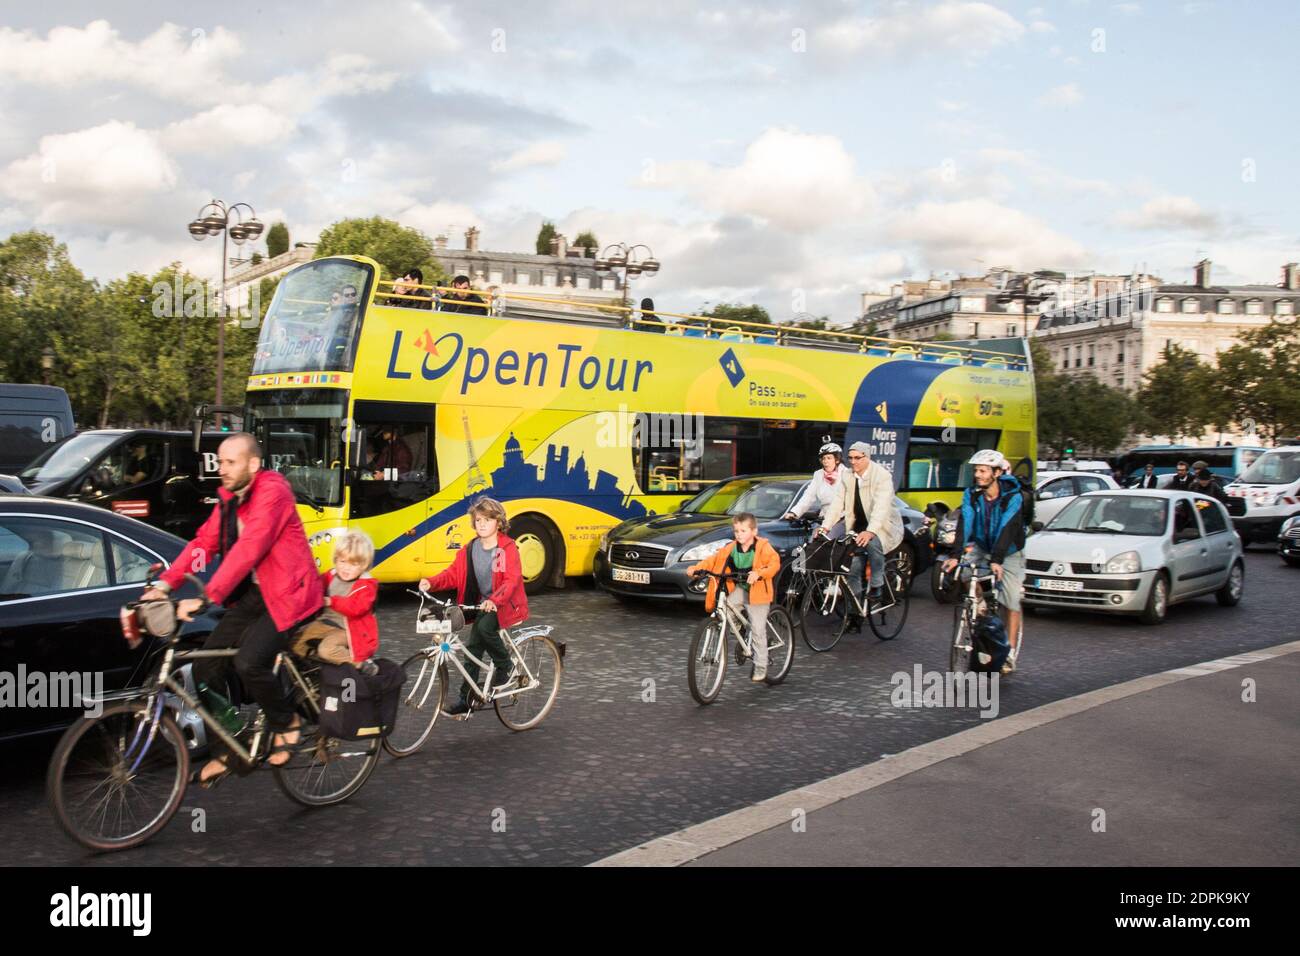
(626, 754)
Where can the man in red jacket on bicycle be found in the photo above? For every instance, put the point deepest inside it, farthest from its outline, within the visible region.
(267, 581)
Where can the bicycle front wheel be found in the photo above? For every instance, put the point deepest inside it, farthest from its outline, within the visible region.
(421, 703)
(963, 641)
(823, 612)
(780, 645)
(529, 707)
(887, 616)
(708, 662)
(110, 786)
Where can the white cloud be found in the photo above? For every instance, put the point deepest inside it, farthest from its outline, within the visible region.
(794, 180)
(99, 174)
(228, 127)
(969, 28)
(544, 153)
(1128, 9)
(952, 235)
(1041, 26)
(1170, 213)
(1065, 95)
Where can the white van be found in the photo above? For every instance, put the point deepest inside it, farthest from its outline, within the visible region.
(1266, 494)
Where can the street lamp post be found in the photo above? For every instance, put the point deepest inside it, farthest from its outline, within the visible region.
(625, 257)
(218, 218)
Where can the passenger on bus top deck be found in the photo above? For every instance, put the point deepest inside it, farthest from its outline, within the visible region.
(410, 284)
(459, 299)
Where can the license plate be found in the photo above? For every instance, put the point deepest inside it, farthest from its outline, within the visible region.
(631, 577)
(1047, 584)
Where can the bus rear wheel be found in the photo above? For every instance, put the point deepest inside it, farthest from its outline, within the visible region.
(538, 552)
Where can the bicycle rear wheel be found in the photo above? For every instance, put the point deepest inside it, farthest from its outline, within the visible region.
(421, 703)
(707, 664)
(780, 645)
(110, 787)
(887, 622)
(528, 708)
(963, 641)
(823, 615)
(323, 770)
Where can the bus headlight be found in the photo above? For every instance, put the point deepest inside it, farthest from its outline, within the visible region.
(1126, 563)
(702, 551)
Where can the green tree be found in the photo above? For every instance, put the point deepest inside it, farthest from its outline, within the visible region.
(586, 241)
(1102, 414)
(395, 247)
(1255, 384)
(1175, 398)
(737, 313)
(277, 240)
(40, 289)
(544, 237)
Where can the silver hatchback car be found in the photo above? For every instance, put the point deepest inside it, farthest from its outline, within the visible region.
(1134, 552)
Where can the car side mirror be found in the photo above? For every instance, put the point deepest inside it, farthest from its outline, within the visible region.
(1037, 526)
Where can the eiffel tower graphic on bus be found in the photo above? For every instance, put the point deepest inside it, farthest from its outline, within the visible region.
(475, 480)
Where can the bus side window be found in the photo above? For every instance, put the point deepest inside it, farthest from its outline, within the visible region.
(399, 469)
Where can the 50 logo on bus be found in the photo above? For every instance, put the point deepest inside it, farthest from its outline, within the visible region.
(511, 367)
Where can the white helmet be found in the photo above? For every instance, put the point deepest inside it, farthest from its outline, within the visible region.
(990, 457)
(830, 448)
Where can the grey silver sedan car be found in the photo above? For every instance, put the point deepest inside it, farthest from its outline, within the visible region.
(1134, 552)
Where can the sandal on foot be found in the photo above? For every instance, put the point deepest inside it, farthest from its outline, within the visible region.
(208, 783)
(284, 746)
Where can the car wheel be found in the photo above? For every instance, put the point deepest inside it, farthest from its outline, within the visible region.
(1230, 593)
(1294, 562)
(1157, 601)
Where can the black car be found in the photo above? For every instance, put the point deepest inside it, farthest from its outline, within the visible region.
(66, 569)
(648, 557)
(143, 473)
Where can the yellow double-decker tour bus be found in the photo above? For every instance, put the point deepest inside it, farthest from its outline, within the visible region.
(389, 412)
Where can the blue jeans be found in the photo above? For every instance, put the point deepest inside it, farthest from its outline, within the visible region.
(874, 555)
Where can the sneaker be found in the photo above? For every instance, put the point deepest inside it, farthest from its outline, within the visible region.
(759, 675)
(855, 624)
(458, 709)
(1009, 666)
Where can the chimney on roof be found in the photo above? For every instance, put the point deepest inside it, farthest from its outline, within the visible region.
(1291, 276)
(559, 245)
(440, 242)
(471, 239)
(1203, 274)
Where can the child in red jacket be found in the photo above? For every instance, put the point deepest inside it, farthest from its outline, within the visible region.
(346, 629)
(488, 575)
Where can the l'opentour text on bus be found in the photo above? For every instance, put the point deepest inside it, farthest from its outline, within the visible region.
(390, 416)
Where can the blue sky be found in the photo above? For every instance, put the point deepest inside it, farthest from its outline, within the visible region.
(794, 154)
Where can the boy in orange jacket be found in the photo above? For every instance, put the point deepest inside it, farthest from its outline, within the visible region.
(758, 561)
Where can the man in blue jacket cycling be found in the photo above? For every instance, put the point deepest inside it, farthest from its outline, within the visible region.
(990, 527)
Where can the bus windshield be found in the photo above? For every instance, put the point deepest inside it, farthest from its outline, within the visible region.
(1274, 468)
(302, 439)
(315, 318)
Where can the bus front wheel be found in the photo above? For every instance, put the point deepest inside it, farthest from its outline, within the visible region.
(538, 551)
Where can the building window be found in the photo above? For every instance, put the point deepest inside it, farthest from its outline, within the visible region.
(1092, 355)
(1119, 353)
(1011, 330)
(584, 282)
(495, 277)
(974, 330)
(1227, 307)
(1065, 357)
(609, 283)
(1191, 305)
(1284, 307)
(548, 278)
(1078, 357)
(1164, 305)
(1254, 307)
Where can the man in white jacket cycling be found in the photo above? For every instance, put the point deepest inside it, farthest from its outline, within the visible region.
(823, 488)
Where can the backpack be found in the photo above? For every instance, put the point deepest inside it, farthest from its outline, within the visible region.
(1027, 496)
(990, 640)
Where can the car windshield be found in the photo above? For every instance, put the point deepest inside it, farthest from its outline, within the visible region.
(1141, 515)
(65, 460)
(762, 500)
(1273, 468)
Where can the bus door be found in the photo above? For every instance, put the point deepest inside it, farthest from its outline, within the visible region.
(398, 468)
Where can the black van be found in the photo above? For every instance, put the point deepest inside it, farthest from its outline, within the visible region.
(32, 418)
(145, 473)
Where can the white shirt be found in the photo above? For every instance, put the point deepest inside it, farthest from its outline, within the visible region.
(819, 493)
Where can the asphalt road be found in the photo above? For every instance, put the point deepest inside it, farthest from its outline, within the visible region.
(626, 754)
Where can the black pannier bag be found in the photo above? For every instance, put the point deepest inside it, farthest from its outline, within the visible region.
(827, 554)
(354, 706)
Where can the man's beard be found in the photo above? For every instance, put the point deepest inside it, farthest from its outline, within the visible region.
(237, 488)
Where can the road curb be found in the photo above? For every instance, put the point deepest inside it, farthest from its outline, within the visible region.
(683, 846)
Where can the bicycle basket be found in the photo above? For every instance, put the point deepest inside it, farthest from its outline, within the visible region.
(826, 554)
(158, 618)
(438, 620)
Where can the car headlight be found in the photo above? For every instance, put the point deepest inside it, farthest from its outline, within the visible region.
(603, 547)
(702, 551)
(1126, 563)
(1292, 522)
(1266, 501)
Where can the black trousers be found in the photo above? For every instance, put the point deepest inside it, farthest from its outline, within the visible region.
(247, 626)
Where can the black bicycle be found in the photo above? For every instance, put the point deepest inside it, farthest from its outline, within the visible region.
(829, 602)
(117, 778)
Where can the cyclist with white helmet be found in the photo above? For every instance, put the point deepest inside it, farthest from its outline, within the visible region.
(822, 489)
(991, 528)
